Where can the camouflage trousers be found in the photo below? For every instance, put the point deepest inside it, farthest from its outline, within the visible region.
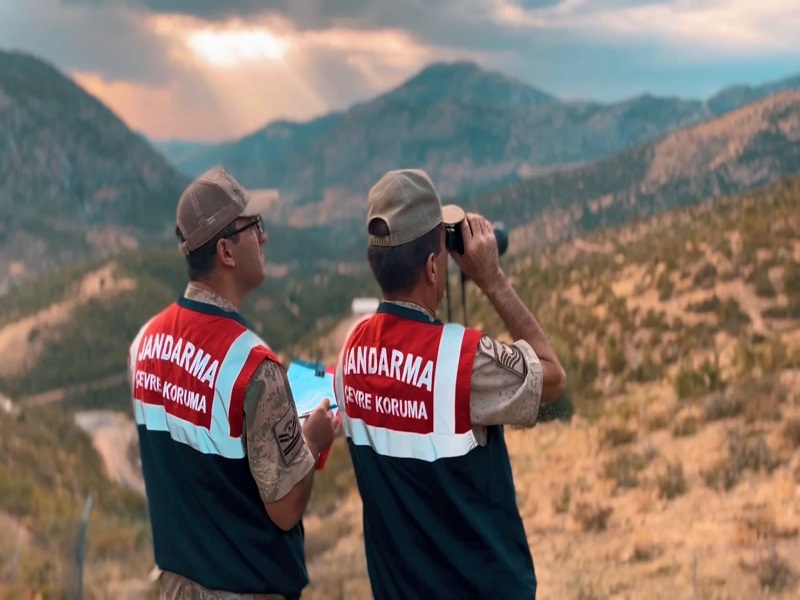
(176, 587)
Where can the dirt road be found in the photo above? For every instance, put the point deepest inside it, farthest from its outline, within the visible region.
(113, 433)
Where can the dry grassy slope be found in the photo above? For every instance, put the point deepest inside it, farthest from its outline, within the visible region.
(704, 147)
(600, 528)
(22, 340)
(666, 485)
(719, 283)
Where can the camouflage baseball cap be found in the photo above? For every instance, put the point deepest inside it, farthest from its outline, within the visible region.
(212, 202)
(407, 201)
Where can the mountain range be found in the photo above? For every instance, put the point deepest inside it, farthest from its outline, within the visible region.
(741, 150)
(472, 130)
(77, 183)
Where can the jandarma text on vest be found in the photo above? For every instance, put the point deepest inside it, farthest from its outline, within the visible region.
(368, 360)
(170, 391)
(193, 360)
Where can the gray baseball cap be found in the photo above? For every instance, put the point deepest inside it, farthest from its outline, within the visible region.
(407, 201)
(212, 202)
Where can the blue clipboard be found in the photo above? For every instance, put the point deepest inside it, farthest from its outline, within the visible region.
(310, 382)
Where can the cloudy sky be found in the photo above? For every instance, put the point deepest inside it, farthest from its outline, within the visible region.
(214, 70)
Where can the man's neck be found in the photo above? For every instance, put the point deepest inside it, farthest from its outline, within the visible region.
(203, 292)
(414, 305)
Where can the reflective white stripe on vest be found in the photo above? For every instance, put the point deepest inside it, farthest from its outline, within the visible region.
(217, 440)
(403, 444)
(443, 442)
(444, 385)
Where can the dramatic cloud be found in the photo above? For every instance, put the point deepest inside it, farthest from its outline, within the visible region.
(218, 69)
(113, 40)
(730, 27)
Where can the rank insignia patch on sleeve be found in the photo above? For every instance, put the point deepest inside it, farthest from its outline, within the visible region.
(288, 434)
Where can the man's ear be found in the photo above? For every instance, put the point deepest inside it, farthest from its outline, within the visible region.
(430, 269)
(224, 254)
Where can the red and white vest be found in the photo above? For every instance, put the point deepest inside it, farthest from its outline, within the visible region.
(404, 387)
(190, 371)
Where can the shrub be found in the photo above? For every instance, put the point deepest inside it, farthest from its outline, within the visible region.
(624, 468)
(658, 420)
(617, 435)
(763, 285)
(744, 453)
(791, 278)
(615, 355)
(791, 433)
(686, 424)
(655, 320)
(644, 551)
(722, 405)
(561, 503)
(761, 400)
(773, 572)
(722, 476)
(648, 369)
(665, 289)
(711, 304)
(592, 517)
(791, 311)
(705, 276)
(671, 482)
(731, 317)
(691, 382)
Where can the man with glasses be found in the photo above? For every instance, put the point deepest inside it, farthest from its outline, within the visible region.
(228, 468)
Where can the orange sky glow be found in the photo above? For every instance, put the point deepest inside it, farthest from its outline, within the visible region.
(249, 74)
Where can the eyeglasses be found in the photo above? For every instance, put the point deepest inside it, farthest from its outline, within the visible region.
(258, 222)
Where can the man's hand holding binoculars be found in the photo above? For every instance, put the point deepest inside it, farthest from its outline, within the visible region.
(480, 261)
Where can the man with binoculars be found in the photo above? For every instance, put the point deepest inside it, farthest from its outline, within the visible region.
(424, 404)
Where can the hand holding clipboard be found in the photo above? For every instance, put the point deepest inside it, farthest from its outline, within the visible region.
(311, 383)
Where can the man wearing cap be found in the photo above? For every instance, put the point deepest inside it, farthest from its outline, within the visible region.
(227, 466)
(424, 404)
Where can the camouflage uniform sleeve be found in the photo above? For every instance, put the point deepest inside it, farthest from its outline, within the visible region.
(276, 449)
(506, 384)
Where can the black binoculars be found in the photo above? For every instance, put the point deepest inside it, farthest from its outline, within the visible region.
(454, 241)
(452, 216)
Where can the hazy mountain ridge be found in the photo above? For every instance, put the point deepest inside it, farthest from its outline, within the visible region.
(471, 129)
(738, 95)
(742, 150)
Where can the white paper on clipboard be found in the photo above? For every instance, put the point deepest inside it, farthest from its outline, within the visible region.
(310, 383)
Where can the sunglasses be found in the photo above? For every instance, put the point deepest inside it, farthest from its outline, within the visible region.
(258, 222)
